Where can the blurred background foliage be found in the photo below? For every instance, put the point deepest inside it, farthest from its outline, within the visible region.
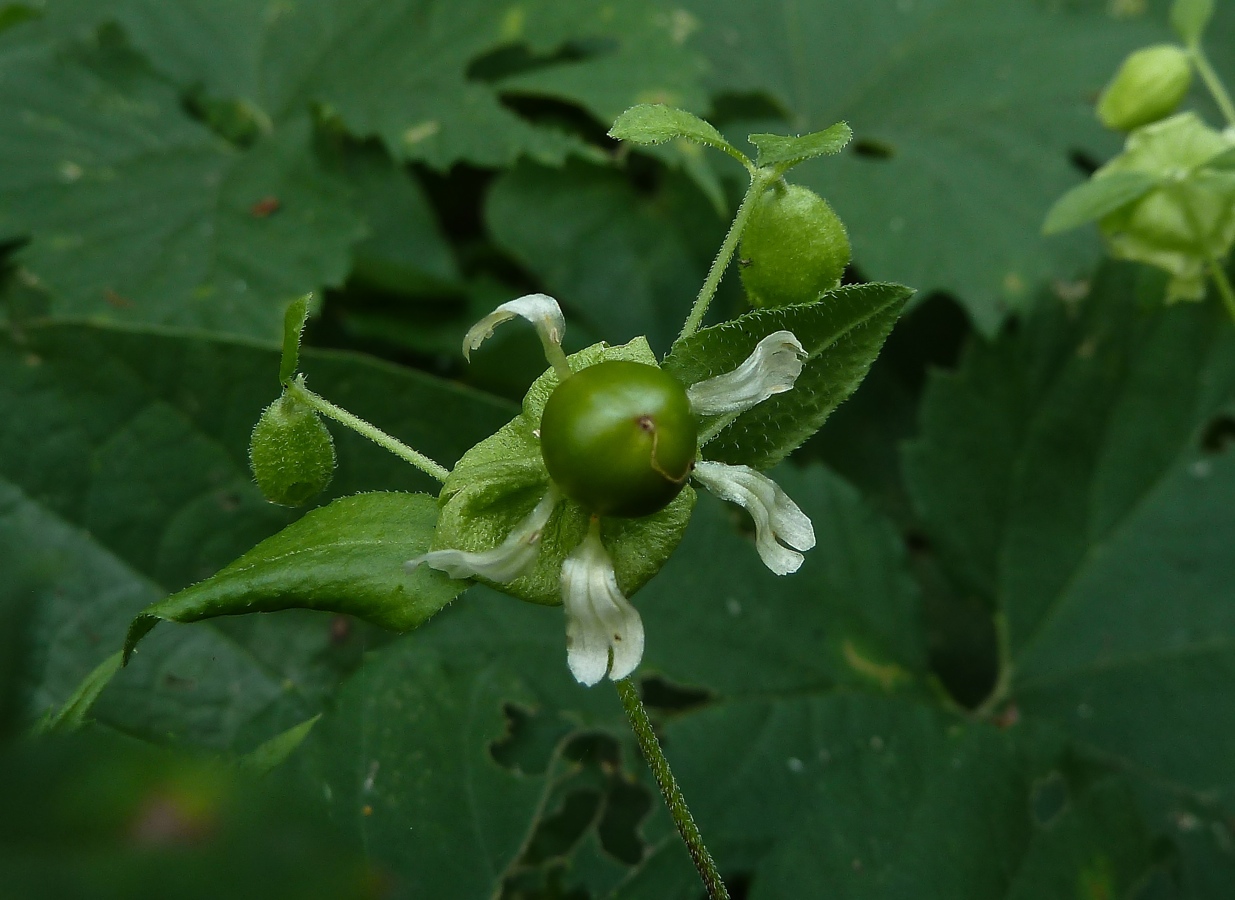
(1004, 673)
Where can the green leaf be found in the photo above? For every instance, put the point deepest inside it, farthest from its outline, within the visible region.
(273, 753)
(842, 333)
(345, 558)
(655, 124)
(500, 480)
(293, 327)
(628, 262)
(129, 480)
(139, 215)
(1189, 18)
(1066, 473)
(785, 151)
(72, 715)
(952, 165)
(1096, 198)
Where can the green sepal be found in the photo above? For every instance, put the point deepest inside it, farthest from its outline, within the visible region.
(293, 328)
(1096, 198)
(499, 481)
(842, 333)
(73, 714)
(786, 151)
(346, 558)
(655, 123)
(267, 757)
(1189, 18)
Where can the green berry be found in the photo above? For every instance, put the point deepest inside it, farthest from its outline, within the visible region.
(619, 438)
(1149, 85)
(794, 247)
(291, 452)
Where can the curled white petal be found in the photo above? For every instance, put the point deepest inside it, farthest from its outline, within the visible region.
(599, 620)
(772, 368)
(505, 562)
(781, 528)
(539, 309)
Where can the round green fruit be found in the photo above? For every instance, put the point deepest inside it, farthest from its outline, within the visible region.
(794, 247)
(619, 438)
(291, 452)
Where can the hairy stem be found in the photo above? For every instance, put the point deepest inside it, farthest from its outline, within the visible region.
(758, 181)
(655, 756)
(372, 432)
(1214, 83)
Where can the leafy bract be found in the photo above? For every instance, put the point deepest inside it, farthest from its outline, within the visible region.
(500, 480)
(964, 115)
(1065, 472)
(346, 558)
(785, 151)
(841, 332)
(137, 214)
(128, 480)
(657, 123)
(1096, 198)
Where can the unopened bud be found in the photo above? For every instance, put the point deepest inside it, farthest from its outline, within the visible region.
(291, 452)
(1149, 85)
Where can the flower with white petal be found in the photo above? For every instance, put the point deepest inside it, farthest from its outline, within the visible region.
(505, 562)
(604, 634)
(772, 368)
(781, 528)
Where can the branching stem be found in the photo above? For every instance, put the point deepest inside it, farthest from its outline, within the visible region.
(655, 756)
(372, 432)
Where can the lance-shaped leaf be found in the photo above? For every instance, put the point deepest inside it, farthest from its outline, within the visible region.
(346, 557)
(842, 332)
(650, 123)
(500, 480)
(1096, 198)
(786, 151)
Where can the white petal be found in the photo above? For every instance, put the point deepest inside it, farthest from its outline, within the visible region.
(781, 528)
(599, 620)
(505, 562)
(539, 309)
(772, 368)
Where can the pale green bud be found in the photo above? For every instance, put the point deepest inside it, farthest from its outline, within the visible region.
(1149, 85)
(291, 452)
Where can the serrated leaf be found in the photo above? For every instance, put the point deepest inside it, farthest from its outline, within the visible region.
(1096, 198)
(657, 123)
(1063, 472)
(137, 214)
(1189, 18)
(952, 165)
(785, 151)
(499, 481)
(841, 332)
(128, 480)
(346, 557)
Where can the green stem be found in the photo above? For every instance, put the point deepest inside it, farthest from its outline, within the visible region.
(652, 752)
(372, 432)
(1224, 286)
(759, 180)
(1214, 83)
(1003, 684)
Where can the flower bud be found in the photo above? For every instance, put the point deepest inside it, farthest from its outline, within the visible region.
(619, 438)
(793, 248)
(291, 452)
(1149, 85)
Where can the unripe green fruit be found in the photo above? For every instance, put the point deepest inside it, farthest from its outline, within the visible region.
(794, 247)
(619, 438)
(1148, 86)
(291, 452)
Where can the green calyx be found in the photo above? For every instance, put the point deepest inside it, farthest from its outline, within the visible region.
(619, 438)
(291, 452)
(794, 247)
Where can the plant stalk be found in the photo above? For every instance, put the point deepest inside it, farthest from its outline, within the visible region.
(1214, 83)
(676, 803)
(758, 181)
(1224, 286)
(372, 432)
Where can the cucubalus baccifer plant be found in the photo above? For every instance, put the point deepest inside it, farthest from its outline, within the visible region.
(583, 496)
(1168, 200)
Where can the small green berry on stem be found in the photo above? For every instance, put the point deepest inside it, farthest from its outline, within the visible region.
(291, 452)
(794, 247)
(619, 438)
